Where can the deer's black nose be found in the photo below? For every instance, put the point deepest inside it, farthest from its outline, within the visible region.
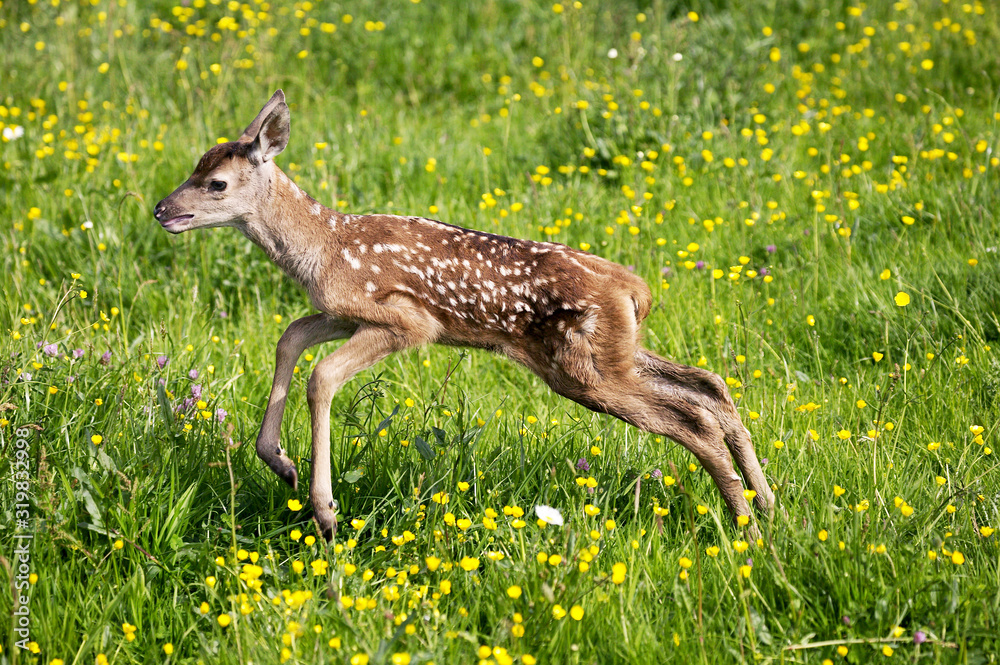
(158, 210)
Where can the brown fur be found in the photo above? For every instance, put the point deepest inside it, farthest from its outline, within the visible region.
(388, 283)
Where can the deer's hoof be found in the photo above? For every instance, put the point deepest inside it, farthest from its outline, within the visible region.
(764, 502)
(286, 471)
(277, 459)
(327, 526)
(325, 514)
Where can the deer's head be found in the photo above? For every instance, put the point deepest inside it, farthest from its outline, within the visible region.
(232, 179)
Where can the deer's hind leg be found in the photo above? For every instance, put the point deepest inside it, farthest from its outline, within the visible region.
(710, 390)
(693, 426)
(698, 430)
(591, 357)
(674, 416)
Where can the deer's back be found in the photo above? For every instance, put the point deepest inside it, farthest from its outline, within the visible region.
(483, 287)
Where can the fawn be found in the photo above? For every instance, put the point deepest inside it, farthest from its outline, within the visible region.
(387, 283)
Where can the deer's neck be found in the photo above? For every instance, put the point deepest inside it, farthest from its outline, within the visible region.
(290, 228)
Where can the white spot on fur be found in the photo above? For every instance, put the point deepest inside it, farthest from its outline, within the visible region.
(579, 265)
(350, 259)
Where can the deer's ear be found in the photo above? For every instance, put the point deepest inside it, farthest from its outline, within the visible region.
(268, 133)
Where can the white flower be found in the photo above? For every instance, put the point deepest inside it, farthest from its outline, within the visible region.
(13, 132)
(549, 515)
(613, 53)
(678, 57)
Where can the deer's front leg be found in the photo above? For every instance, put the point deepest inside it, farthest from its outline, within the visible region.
(300, 335)
(365, 348)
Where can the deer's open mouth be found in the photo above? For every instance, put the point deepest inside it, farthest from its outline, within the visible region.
(175, 221)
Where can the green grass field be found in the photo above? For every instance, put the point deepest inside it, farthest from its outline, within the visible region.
(810, 188)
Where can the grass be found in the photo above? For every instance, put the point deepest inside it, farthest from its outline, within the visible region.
(810, 189)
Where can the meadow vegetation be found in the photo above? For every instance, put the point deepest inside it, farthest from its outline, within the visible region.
(810, 188)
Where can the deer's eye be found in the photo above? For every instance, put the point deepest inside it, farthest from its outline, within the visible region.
(217, 186)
